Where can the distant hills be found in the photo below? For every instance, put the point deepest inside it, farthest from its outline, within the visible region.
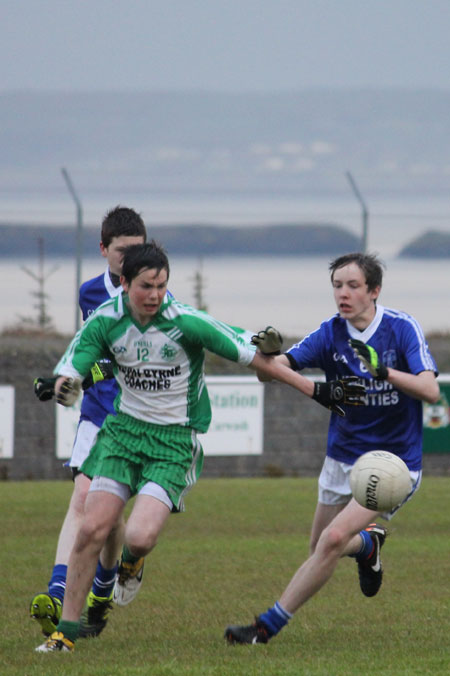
(307, 239)
(432, 244)
(190, 240)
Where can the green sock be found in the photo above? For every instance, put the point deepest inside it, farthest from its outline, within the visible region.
(128, 557)
(69, 629)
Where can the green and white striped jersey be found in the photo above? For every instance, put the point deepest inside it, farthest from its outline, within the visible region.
(158, 367)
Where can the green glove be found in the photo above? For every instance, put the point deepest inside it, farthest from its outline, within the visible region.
(369, 357)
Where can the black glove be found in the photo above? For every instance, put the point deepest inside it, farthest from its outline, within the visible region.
(368, 356)
(345, 391)
(269, 341)
(102, 370)
(44, 388)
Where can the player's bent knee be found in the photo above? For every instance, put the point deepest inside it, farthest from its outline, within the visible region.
(93, 531)
(333, 540)
(140, 543)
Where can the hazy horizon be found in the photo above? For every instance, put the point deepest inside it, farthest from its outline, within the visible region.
(260, 45)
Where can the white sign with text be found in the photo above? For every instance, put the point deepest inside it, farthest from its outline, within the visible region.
(237, 425)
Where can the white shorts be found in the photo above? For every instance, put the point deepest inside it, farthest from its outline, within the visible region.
(84, 440)
(102, 483)
(334, 485)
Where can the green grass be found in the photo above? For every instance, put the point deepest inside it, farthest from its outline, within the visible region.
(228, 558)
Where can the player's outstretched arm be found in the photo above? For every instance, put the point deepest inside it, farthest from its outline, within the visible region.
(329, 394)
(277, 368)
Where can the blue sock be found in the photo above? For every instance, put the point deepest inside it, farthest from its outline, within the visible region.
(104, 580)
(275, 618)
(57, 584)
(366, 547)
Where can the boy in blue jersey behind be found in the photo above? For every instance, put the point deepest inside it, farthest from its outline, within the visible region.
(122, 227)
(386, 350)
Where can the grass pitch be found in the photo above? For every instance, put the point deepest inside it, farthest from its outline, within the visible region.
(223, 561)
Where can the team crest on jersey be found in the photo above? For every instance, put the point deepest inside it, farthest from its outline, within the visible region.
(389, 358)
(168, 352)
(436, 416)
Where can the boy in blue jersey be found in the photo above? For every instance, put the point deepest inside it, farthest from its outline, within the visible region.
(386, 350)
(121, 227)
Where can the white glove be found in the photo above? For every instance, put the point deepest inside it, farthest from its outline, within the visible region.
(269, 341)
(68, 392)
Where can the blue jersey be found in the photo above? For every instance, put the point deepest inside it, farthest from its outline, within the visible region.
(390, 419)
(98, 400)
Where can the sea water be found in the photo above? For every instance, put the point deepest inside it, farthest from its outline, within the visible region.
(292, 293)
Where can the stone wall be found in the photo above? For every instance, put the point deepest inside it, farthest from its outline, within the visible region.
(295, 427)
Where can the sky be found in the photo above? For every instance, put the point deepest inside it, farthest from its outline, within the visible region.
(223, 45)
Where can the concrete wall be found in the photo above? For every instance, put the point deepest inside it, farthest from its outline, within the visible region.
(294, 437)
(21, 360)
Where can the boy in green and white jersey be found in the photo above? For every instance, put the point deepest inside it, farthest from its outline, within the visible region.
(158, 367)
(150, 448)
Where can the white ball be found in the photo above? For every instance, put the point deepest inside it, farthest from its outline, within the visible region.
(380, 481)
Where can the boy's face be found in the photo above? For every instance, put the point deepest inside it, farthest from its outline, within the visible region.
(146, 292)
(115, 250)
(353, 299)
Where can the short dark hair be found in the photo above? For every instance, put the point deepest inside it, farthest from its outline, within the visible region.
(122, 221)
(147, 256)
(371, 266)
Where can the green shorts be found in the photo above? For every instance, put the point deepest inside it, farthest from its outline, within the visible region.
(134, 452)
